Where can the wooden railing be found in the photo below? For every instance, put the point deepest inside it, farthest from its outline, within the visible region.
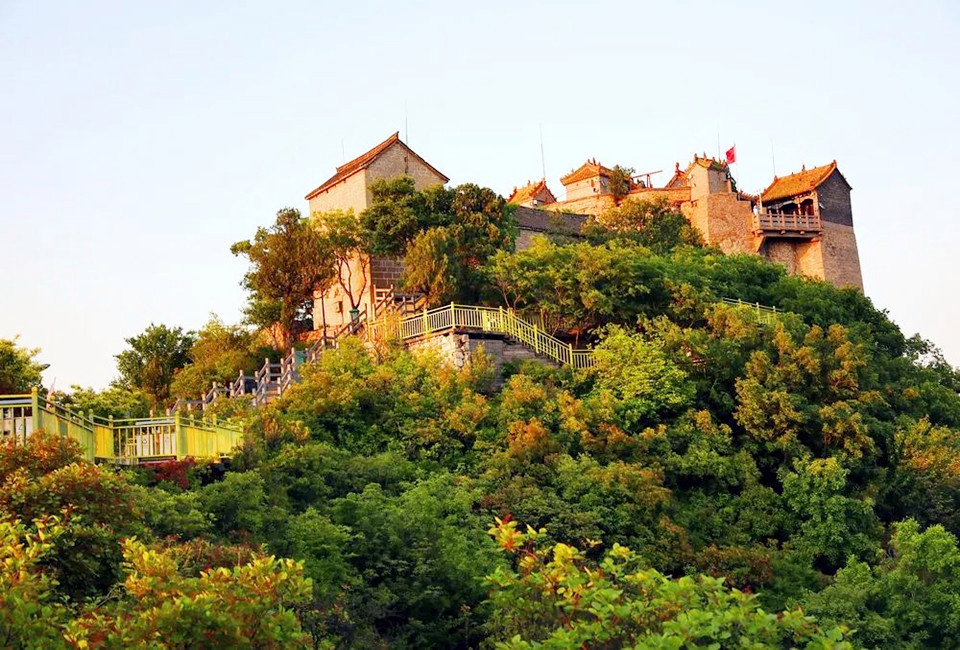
(787, 224)
(126, 441)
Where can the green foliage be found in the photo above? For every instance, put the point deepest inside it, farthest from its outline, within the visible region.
(166, 514)
(19, 371)
(832, 526)
(237, 503)
(556, 598)
(579, 287)
(45, 478)
(432, 266)
(419, 555)
(115, 401)
(636, 371)
(288, 262)
(908, 600)
(250, 605)
(398, 212)
(414, 404)
(656, 225)
(29, 613)
(761, 464)
(218, 354)
(620, 182)
(151, 360)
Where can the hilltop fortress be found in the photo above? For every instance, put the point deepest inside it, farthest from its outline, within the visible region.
(803, 221)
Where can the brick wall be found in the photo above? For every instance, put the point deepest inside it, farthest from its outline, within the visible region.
(834, 197)
(387, 272)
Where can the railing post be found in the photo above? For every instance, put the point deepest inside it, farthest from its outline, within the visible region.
(453, 315)
(426, 321)
(536, 339)
(570, 347)
(178, 436)
(34, 412)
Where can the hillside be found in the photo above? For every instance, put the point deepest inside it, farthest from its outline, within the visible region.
(712, 478)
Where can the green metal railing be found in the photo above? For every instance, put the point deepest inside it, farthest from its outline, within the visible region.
(484, 319)
(178, 436)
(765, 315)
(127, 441)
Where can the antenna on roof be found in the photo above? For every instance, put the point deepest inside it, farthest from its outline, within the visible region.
(773, 159)
(543, 159)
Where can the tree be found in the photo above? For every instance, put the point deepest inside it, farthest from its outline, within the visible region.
(907, 600)
(116, 401)
(556, 598)
(249, 605)
(621, 182)
(153, 358)
(289, 261)
(654, 224)
(46, 477)
(432, 266)
(29, 612)
(643, 379)
(218, 354)
(348, 245)
(398, 212)
(19, 372)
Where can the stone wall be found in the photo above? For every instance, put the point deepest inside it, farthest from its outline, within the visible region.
(588, 187)
(348, 194)
(457, 349)
(594, 205)
(398, 161)
(840, 257)
(833, 257)
(724, 221)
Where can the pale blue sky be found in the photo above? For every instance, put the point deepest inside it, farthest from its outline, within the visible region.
(138, 140)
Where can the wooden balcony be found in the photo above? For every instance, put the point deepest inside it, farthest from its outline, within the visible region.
(804, 226)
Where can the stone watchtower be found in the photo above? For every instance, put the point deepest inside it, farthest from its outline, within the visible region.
(349, 189)
(805, 222)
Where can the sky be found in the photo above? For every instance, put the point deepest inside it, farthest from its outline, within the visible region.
(138, 140)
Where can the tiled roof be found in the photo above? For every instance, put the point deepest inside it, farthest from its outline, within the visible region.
(362, 162)
(589, 169)
(799, 183)
(679, 179)
(530, 191)
(548, 221)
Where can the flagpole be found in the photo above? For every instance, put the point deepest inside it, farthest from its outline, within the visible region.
(736, 159)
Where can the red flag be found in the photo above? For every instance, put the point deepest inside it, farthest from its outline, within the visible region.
(732, 154)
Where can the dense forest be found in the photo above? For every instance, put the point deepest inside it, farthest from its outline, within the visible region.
(712, 481)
